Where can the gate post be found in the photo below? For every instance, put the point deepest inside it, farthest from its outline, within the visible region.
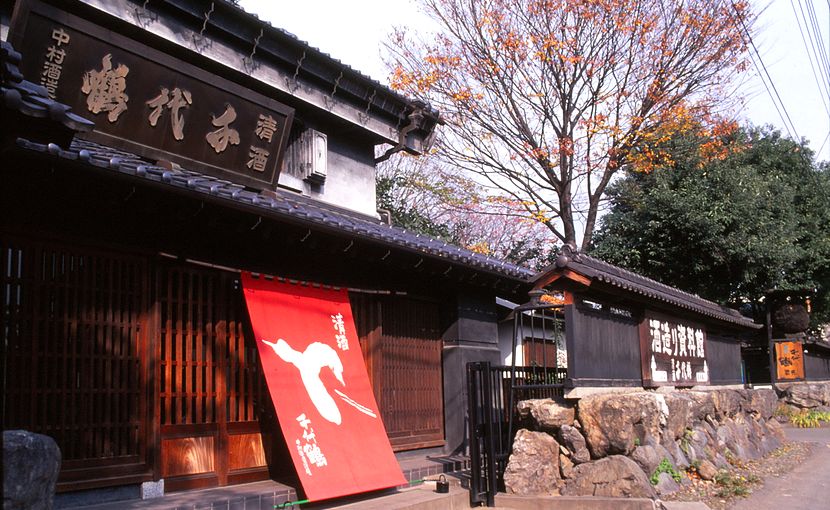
(473, 370)
(483, 476)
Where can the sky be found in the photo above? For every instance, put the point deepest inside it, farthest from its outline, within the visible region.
(353, 32)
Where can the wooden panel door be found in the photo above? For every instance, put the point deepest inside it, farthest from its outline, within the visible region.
(209, 382)
(75, 356)
(401, 342)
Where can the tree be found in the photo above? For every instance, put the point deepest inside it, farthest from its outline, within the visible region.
(727, 230)
(426, 197)
(547, 100)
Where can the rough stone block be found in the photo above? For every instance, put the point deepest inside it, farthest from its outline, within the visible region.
(31, 463)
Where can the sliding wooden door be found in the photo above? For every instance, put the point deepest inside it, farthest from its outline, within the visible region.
(74, 324)
(210, 385)
(402, 346)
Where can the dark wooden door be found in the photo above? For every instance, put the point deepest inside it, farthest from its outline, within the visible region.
(539, 352)
(209, 382)
(402, 346)
(74, 323)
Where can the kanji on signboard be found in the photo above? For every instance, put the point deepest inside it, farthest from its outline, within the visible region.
(259, 158)
(265, 127)
(225, 135)
(106, 89)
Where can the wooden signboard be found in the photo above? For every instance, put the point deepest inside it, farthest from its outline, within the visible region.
(150, 103)
(673, 351)
(789, 361)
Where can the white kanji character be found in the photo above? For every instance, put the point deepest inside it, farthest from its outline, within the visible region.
(680, 334)
(656, 343)
(699, 341)
(315, 455)
(666, 337)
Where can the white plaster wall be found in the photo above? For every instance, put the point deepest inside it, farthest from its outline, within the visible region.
(350, 176)
(350, 184)
(506, 339)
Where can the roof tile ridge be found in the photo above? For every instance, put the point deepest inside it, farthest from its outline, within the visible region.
(672, 290)
(375, 82)
(114, 158)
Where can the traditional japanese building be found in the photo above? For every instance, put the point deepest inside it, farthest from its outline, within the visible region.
(622, 329)
(220, 145)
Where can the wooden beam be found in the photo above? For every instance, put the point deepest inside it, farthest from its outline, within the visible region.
(578, 278)
(567, 273)
(547, 280)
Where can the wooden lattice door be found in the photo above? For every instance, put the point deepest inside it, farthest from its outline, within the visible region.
(210, 382)
(74, 337)
(402, 347)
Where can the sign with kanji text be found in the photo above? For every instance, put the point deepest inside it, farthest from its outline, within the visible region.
(318, 383)
(150, 103)
(789, 361)
(673, 351)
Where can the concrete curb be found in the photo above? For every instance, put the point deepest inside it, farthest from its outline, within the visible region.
(573, 503)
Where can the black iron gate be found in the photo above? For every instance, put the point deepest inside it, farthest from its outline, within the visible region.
(494, 391)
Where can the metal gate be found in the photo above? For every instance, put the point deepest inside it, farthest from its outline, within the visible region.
(493, 393)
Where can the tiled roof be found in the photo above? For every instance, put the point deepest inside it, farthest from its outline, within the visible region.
(629, 281)
(280, 205)
(30, 99)
(296, 52)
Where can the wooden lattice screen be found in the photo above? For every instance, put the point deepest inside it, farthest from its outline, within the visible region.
(72, 325)
(401, 342)
(210, 381)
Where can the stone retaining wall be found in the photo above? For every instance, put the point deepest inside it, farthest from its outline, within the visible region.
(612, 444)
(809, 395)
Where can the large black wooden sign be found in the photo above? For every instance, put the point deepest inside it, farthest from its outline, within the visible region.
(150, 103)
(673, 351)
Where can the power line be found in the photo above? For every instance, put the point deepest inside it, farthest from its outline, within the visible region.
(811, 8)
(821, 80)
(820, 56)
(759, 66)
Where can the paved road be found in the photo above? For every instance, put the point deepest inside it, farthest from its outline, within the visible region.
(807, 487)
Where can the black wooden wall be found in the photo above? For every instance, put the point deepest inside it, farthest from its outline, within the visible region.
(724, 359)
(604, 347)
(603, 350)
(816, 365)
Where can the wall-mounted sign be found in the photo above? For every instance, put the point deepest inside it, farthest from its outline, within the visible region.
(789, 361)
(150, 103)
(613, 311)
(673, 351)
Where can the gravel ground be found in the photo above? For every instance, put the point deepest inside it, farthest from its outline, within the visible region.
(744, 476)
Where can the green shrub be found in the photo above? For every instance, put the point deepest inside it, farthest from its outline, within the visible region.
(809, 419)
(733, 485)
(664, 467)
(782, 411)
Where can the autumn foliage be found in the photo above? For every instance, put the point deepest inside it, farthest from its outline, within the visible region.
(546, 100)
(426, 196)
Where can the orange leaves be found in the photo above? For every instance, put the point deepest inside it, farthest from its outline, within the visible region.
(653, 150)
(720, 143)
(552, 299)
(572, 91)
(480, 247)
(462, 95)
(566, 146)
